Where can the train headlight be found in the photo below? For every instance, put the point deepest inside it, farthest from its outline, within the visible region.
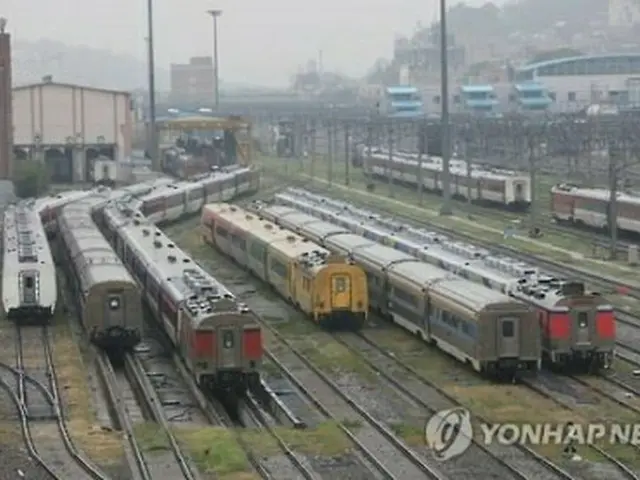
(114, 303)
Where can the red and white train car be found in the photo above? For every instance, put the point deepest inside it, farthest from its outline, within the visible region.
(590, 207)
(498, 188)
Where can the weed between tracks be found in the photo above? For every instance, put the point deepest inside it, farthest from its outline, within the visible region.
(215, 449)
(500, 403)
(102, 446)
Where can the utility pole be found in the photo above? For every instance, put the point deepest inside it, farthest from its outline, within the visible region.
(614, 152)
(465, 155)
(216, 66)
(153, 133)
(446, 208)
(347, 150)
(422, 151)
(390, 163)
(532, 143)
(312, 147)
(330, 146)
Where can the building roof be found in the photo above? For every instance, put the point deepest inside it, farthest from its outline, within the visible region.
(529, 87)
(559, 61)
(476, 88)
(31, 86)
(400, 89)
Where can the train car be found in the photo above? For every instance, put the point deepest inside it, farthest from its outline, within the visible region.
(108, 299)
(589, 207)
(496, 335)
(50, 207)
(29, 286)
(217, 336)
(326, 287)
(577, 326)
(188, 197)
(502, 188)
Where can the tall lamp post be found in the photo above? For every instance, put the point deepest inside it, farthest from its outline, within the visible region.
(445, 209)
(215, 14)
(153, 147)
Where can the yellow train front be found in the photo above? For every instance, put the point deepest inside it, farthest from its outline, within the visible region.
(328, 288)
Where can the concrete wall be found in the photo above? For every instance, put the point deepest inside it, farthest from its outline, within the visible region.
(63, 114)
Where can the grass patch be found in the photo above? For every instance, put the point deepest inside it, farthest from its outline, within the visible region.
(151, 437)
(330, 356)
(215, 451)
(501, 403)
(325, 439)
(104, 447)
(410, 433)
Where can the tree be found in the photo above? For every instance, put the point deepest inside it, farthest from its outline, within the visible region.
(31, 179)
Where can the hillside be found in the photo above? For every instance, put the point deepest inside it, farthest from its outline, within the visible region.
(81, 65)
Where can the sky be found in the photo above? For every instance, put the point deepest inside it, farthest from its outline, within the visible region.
(260, 42)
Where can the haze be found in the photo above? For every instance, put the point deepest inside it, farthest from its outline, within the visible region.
(260, 42)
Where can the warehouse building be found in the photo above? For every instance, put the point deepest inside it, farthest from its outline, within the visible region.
(69, 126)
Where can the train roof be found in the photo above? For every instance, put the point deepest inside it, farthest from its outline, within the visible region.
(25, 241)
(418, 272)
(515, 277)
(189, 285)
(99, 261)
(380, 255)
(347, 243)
(264, 230)
(280, 239)
(602, 194)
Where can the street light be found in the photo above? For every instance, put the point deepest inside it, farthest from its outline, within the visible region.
(215, 14)
(153, 148)
(445, 209)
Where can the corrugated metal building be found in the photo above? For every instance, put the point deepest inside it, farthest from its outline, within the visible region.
(68, 126)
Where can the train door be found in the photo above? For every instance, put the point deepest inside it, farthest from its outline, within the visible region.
(228, 347)
(340, 291)
(114, 308)
(519, 192)
(583, 327)
(508, 337)
(29, 287)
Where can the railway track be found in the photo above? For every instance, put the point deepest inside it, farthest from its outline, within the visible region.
(335, 404)
(251, 414)
(379, 450)
(30, 380)
(542, 387)
(519, 461)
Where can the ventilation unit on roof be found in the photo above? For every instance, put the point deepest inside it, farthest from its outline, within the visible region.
(157, 244)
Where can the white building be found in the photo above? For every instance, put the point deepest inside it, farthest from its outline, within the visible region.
(576, 82)
(68, 126)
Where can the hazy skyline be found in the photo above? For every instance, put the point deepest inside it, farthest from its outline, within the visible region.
(259, 43)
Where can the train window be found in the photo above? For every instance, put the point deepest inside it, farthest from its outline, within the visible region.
(221, 232)
(227, 339)
(583, 319)
(28, 282)
(278, 268)
(340, 284)
(114, 303)
(507, 328)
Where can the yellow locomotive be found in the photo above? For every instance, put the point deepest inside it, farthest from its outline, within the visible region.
(330, 289)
